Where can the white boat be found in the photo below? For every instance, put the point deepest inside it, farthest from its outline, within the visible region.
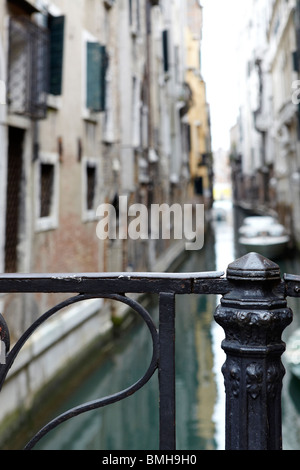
(264, 235)
(221, 210)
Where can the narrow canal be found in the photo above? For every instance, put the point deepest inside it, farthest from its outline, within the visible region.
(133, 423)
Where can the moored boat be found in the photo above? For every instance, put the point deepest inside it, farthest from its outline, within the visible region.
(264, 235)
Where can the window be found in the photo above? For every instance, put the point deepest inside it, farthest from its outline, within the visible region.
(198, 185)
(47, 189)
(134, 16)
(96, 76)
(27, 68)
(13, 198)
(136, 113)
(89, 188)
(165, 42)
(95, 62)
(108, 134)
(56, 25)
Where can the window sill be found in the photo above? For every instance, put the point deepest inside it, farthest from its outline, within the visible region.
(89, 216)
(89, 115)
(16, 120)
(45, 224)
(54, 102)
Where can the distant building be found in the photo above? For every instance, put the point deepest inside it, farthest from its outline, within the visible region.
(198, 117)
(284, 67)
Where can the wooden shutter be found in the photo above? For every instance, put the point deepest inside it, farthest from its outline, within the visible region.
(96, 76)
(56, 27)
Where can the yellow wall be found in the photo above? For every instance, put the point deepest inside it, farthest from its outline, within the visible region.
(198, 112)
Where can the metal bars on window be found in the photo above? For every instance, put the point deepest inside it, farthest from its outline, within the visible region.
(28, 68)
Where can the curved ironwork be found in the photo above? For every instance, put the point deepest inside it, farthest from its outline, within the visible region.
(142, 312)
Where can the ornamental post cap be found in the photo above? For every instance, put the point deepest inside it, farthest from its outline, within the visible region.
(253, 266)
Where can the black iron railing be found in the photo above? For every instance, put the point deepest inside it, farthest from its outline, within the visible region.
(253, 312)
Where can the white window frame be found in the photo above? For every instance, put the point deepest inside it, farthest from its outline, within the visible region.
(87, 114)
(50, 222)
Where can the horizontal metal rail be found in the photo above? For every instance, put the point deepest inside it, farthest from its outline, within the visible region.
(253, 313)
(107, 283)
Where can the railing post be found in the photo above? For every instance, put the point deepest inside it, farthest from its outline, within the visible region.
(253, 315)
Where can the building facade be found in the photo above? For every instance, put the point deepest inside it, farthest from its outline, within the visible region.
(94, 103)
(265, 140)
(95, 109)
(201, 160)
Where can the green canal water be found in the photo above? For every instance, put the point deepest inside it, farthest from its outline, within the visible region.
(132, 424)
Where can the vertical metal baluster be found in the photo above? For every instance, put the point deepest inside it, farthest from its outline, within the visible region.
(166, 372)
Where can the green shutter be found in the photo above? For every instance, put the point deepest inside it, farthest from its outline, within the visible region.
(96, 76)
(56, 27)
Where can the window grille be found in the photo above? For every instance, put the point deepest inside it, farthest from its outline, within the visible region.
(91, 186)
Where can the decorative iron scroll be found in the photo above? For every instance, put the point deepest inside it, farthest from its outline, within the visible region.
(11, 356)
(95, 404)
